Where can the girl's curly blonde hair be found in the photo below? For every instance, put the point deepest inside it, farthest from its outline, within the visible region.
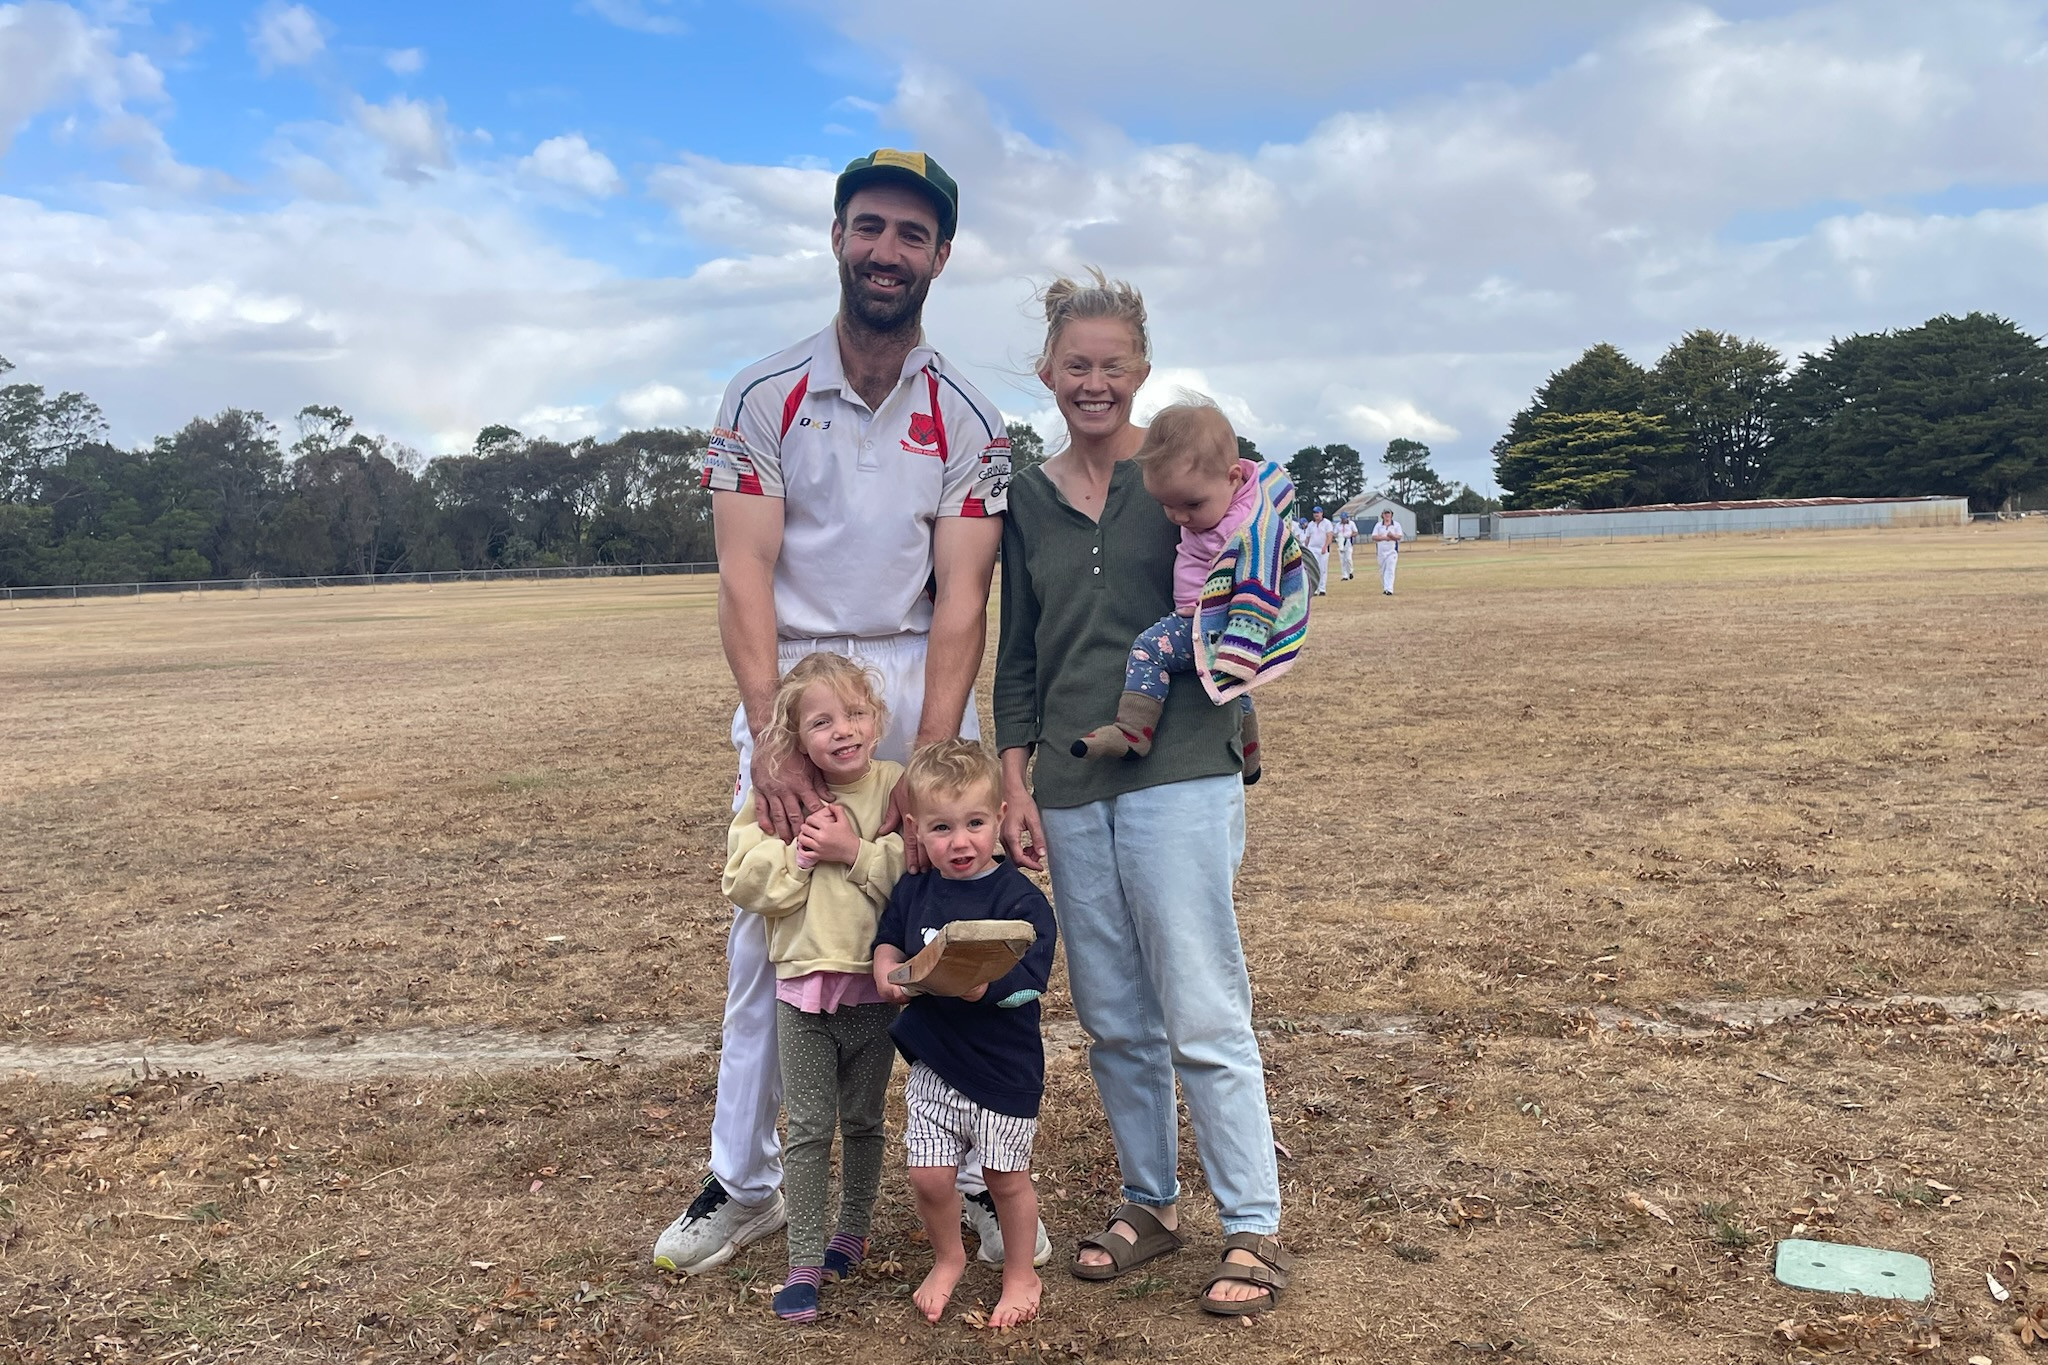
(857, 684)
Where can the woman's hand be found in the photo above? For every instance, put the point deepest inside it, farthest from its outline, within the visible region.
(1023, 835)
(829, 836)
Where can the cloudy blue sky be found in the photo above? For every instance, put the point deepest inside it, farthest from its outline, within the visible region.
(1353, 221)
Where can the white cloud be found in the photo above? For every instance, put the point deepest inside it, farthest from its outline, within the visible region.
(754, 209)
(655, 405)
(572, 162)
(51, 56)
(413, 134)
(560, 423)
(1412, 268)
(1399, 418)
(286, 35)
(641, 16)
(405, 61)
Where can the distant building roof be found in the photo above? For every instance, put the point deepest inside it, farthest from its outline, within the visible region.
(1715, 506)
(1360, 503)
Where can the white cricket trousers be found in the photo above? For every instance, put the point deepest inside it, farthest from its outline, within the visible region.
(1344, 557)
(746, 1154)
(1390, 555)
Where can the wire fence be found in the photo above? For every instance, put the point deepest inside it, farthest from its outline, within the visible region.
(259, 583)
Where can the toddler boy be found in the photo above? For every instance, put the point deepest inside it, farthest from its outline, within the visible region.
(977, 1065)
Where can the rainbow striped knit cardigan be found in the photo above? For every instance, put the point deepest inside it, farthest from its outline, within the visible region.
(1254, 612)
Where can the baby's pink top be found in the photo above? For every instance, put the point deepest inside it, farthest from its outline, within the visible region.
(1198, 549)
(825, 992)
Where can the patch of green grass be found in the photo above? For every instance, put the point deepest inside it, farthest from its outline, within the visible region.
(1143, 1287)
(1724, 1225)
(1913, 1195)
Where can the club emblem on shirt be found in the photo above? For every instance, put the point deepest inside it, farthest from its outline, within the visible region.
(924, 434)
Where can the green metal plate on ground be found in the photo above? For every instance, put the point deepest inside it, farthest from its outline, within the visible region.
(1838, 1268)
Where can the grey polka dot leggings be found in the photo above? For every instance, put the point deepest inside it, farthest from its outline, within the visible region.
(835, 1072)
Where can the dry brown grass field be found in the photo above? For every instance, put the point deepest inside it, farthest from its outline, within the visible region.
(1524, 824)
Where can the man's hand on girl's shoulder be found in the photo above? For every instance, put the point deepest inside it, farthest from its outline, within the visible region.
(785, 793)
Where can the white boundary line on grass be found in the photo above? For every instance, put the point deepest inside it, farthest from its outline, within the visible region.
(411, 1052)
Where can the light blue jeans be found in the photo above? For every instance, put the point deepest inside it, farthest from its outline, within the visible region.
(1141, 885)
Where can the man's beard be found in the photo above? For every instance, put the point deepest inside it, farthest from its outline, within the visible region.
(881, 315)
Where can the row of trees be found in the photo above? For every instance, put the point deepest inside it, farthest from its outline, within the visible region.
(224, 498)
(227, 498)
(1330, 476)
(1955, 406)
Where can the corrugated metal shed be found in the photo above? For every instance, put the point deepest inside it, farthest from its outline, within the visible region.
(1717, 518)
(1468, 525)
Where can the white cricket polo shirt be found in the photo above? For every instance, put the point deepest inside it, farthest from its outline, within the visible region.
(860, 489)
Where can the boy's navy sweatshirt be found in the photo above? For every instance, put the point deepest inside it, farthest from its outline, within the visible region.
(991, 1055)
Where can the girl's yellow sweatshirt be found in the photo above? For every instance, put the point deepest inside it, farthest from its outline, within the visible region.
(821, 920)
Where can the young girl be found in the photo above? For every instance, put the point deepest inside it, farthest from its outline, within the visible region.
(822, 895)
(1240, 593)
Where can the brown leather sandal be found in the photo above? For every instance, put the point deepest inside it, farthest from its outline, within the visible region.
(1155, 1239)
(1270, 1275)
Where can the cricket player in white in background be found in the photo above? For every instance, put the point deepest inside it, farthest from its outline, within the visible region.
(1347, 531)
(1386, 541)
(1316, 535)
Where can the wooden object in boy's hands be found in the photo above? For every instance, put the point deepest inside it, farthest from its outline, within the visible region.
(967, 953)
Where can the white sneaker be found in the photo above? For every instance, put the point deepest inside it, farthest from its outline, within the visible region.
(714, 1229)
(978, 1214)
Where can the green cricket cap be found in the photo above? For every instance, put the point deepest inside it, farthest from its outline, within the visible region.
(914, 169)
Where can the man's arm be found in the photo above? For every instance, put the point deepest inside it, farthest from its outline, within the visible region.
(749, 535)
(963, 565)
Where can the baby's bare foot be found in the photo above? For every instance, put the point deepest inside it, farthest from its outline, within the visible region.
(932, 1296)
(1019, 1303)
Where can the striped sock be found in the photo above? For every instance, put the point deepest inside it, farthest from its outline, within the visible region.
(843, 1254)
(797, 1300)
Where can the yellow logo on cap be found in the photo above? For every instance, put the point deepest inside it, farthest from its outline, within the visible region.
(909, 161)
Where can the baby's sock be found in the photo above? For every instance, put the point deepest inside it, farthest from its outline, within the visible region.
(843, 1255)
(1128, 736)
(797, 1300)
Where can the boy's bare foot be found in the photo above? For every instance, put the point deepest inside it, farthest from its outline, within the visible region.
(937, 1290)
(1019, 1303)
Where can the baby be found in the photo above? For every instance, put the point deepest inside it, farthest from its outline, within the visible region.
(1240, 592)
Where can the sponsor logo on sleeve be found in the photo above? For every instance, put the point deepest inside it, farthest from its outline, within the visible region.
(728, 464)
(991, 480)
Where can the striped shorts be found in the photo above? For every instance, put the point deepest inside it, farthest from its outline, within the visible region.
(945, 1125)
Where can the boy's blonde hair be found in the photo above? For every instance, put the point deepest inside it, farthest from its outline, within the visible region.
(1191, 434)
(952, 767)
(856, 683)
(1071, 301)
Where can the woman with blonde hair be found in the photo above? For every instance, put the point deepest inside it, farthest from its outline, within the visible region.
(1143, 856)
